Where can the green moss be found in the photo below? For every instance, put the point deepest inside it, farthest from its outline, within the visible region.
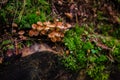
(84, 54)
(24, 12)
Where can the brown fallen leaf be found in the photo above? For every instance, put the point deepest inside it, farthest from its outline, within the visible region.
(103, 46)
(14, 25)
(67, 52)
(69, 15)
(38, 13)
(26, 51)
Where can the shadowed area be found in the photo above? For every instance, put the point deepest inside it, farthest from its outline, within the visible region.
(38, 66)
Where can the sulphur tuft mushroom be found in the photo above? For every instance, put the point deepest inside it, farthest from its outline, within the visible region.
(46, 23)
(33, 33)
(39, 23)
(39, 28)
(55, 36)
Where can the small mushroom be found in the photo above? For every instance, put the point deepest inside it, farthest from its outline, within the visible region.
(51, 25)
(43, 32)
(21, 32)
(39, 23)
(22, 37)
(39, 28)
(34, 26)
(33, 33)
(36, 33)
(46, 28)
(51, 35)
(58, 38)
(68, 25)
(46, 23)
(55, 36)
(53, 39)
(60, 25)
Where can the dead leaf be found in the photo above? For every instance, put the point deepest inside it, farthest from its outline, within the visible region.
(69, 15)
(13, 31)
(14, 25)
(9, 53)
(103, 46)
(26, 51)
(38, 13)
(67, 52)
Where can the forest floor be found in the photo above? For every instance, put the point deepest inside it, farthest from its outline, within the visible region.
(20, 35)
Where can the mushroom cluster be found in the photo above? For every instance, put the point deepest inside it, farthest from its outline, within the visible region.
(55, 31)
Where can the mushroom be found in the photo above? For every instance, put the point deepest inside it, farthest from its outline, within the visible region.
(67, 25)
(39, 23)
(53, 39)
(46, 28)
(33, 33)
(60, 25)
(22, 37)
(43, 32)
(39, 28)
(51, 35)
(34, 26)
(51, 25)
(21, 32)
(46, 23)
(55, 36)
